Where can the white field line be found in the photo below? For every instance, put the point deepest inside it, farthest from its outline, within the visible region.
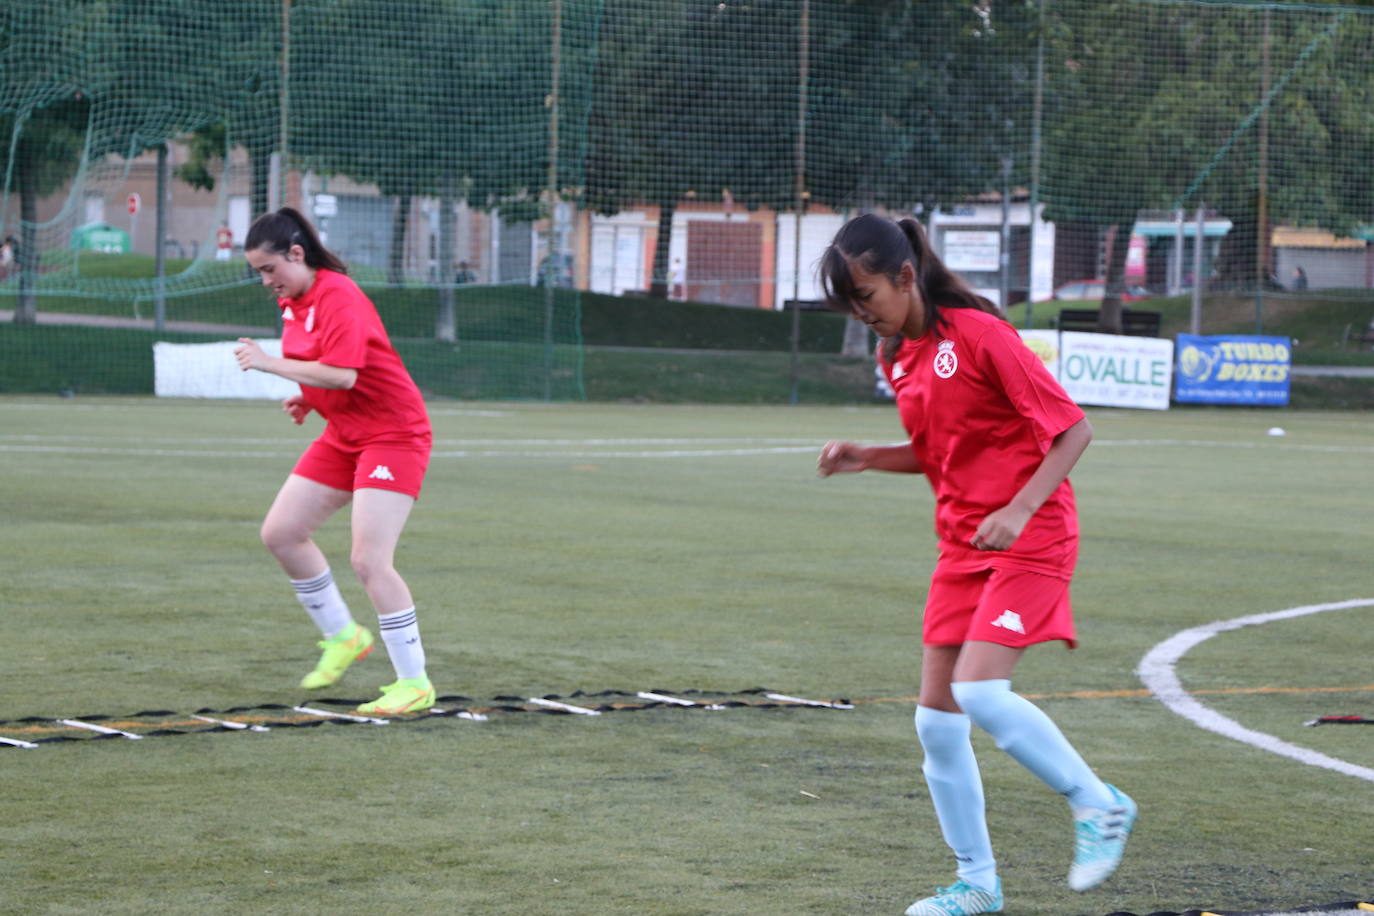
(513, 448)
(195, 404)
(15, 742)
(1156, 670)
(561, 449)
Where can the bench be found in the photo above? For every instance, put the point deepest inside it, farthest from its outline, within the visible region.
(1358, 338)
(1133, 323)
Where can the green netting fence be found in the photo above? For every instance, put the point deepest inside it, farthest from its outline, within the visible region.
(484, 167)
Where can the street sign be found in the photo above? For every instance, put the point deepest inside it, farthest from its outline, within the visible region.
(326, 205)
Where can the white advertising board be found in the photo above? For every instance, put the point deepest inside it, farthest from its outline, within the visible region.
(210, 371)
(1106, 369)
(973, 250)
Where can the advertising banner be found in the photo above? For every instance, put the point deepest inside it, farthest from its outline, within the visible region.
(1233, 369)
(209, 370)
(1107, 369)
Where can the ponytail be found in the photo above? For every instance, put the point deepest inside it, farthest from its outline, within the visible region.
(277, 232)
(881, 246)
(940, 287)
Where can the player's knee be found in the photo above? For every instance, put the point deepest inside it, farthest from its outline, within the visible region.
(368, 564)
(984, 701)
(277, 537)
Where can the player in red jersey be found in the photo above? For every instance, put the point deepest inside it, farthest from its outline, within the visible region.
(996, 437)
(373, 453)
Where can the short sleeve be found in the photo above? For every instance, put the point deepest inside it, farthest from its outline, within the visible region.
(1028, 385)
(342, 333)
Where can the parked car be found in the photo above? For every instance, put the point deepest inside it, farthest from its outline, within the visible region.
(1093, 290)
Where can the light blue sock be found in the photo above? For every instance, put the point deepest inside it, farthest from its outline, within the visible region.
(956, 788)
(1022, 730)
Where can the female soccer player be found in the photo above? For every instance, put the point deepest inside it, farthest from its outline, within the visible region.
(996, 436)
(373, 452)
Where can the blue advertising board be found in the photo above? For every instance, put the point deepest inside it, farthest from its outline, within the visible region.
(1233, 369)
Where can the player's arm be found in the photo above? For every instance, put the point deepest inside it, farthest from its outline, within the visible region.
(1000, 529)
(312, 373)
(850, 457)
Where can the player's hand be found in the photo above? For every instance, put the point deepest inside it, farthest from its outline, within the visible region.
(841, 458)
(250, 355)
(296, 408)
(1000, 529)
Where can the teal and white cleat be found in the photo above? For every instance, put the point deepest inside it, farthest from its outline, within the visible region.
(1099, 840)
(959, 899)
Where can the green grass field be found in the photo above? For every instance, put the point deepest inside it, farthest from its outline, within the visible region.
(590, 547)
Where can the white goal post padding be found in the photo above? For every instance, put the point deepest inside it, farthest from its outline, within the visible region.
(209, 370)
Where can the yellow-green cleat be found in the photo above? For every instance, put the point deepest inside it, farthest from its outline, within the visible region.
(407, 695)
(345, 648)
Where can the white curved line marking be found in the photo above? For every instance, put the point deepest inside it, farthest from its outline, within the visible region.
(1156, 670)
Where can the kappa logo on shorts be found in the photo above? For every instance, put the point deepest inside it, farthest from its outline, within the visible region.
(381, 472)
(946, 363)
(1010, 620)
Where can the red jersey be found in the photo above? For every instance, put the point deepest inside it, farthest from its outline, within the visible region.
(336, 324)
(982, 411)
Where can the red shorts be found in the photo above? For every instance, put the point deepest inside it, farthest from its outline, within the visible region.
(378, 467)
(1009, 607)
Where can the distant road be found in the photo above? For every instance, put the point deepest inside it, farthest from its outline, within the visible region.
(146, 324)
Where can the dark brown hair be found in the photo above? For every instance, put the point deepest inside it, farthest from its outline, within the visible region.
(277, 232)
(880, 246)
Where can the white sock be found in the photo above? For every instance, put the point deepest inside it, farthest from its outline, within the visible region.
(1032, 739)
(401, 633)
(956, 789)
(321, 599)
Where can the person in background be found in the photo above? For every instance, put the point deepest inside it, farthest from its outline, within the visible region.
(9, 256)
(224, 243)
(373, 453)
(996, 436)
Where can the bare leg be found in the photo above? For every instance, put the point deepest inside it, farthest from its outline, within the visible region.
(379, 516)
(301, 507)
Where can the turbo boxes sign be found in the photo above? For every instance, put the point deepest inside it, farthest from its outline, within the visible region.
(1233, 370)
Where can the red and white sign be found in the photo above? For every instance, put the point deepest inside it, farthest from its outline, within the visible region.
(134, 203)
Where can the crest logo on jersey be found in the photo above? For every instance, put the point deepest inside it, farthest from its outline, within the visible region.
(946, 363)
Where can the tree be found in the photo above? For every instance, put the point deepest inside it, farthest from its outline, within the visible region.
(238, 62)
(1189, 75)
(692, 99)
(907, 104)
(917, 104)
(44, 108)
(472, 129)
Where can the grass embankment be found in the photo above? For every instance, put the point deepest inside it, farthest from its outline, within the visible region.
(632, 347)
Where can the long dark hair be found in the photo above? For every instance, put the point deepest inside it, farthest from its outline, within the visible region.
(880, 246)
(277, 232)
